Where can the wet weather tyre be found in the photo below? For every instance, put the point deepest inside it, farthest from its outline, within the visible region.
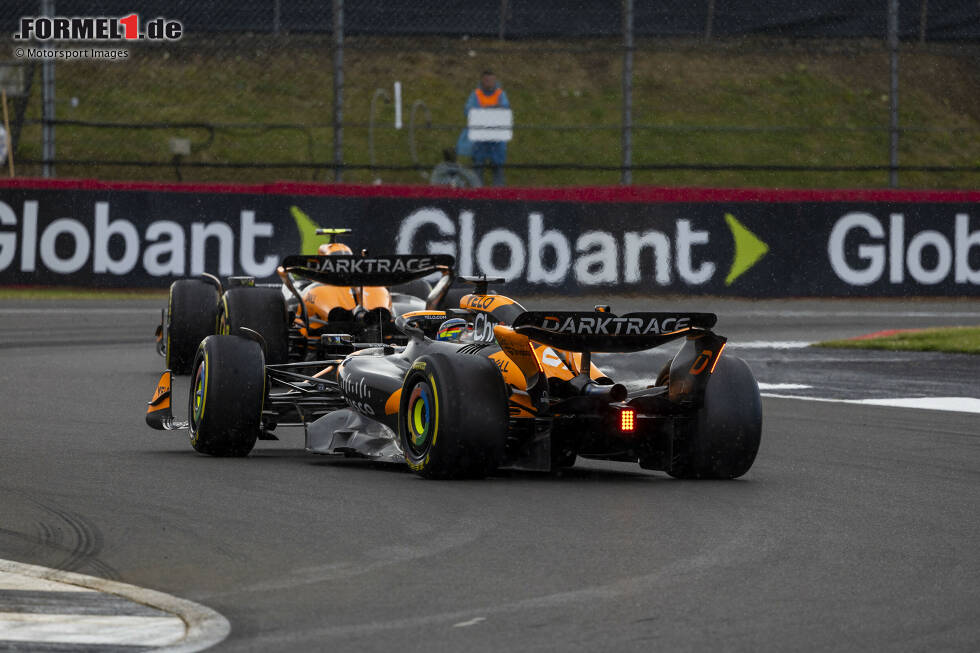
(453, 416)
(226, 396)
(721, 442)
(191, 317)
(261, 309)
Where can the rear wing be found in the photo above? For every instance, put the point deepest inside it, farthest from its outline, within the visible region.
(605, 332)
(350, 270)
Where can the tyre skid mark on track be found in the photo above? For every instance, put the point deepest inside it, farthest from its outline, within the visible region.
(70, 533)
(466, 532)
(742, 546)
(86, 543)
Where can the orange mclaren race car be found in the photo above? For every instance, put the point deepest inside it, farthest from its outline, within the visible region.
(290, 317)
(485, 386)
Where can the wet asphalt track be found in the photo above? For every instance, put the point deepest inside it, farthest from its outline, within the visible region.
(856, 529)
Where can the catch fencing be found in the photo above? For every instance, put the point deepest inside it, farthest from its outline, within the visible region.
(637, 92)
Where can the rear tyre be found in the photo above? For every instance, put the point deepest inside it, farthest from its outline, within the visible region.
(452, 298)
(722, 441)
(562, 459)
(261, 309)
(191, 317)
(418, 288)
(227, 392)
(453, 416)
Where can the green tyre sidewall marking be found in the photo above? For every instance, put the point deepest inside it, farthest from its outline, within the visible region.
(200, 389)
(468, 425)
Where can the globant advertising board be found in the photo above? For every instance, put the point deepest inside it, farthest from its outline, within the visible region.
(739, 242)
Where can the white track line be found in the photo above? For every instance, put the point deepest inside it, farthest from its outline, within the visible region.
(470, 622)
(949, 404)
(770, 344)
(199, 627)
(9, 581)
(753, 344)
(91, 629)
(784, 386)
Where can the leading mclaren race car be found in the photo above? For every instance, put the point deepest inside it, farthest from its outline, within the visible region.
(485, 386)
(290, 316)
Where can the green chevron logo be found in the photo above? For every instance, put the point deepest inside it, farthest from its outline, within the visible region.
(748, 249)
(309, 241)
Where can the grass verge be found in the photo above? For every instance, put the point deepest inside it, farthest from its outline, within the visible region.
(756, 103)
(956, 340)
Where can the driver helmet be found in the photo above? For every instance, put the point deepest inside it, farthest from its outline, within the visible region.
(451, 330)
(328, 249)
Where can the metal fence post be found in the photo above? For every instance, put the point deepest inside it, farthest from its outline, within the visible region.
(502, 29)
(276, 16)
(893, 93)
(338, 90)
(709, 23)
(627, 177)
(47, 100)
(923, 19)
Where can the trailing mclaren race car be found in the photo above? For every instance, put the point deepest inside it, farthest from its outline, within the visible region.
(291, 317)
(486, 386)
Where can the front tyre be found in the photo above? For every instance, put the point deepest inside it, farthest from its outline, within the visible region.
(191, 316)
(227, 392)
(721, 442)
(453, 416)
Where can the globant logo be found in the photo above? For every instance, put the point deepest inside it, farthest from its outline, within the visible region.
(928, 257)
(550, 256)
(106, 246)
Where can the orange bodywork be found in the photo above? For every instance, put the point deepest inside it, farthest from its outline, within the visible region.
(484, 303)
(373, 297)
(394, 402)
(161, 396)
(520, 360)
(320, 299)
(518, 348)
(562, 364)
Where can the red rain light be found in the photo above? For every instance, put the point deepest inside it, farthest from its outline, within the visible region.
(627, 420)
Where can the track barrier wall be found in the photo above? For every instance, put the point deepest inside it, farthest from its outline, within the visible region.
(738, 242)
